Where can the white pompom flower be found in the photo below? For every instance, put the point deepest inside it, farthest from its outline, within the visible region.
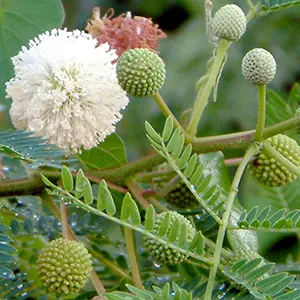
(66, 89)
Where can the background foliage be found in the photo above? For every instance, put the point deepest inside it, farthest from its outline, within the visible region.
(185, 53)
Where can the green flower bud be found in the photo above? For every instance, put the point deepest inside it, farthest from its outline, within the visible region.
(140, 72)
(182, 197)
(259, 66)
(64, 266)
(163, 253)
(272, 173)
(229, 23)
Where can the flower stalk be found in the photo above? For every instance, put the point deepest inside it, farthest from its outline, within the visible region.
(204, 93)
(261, 114)
(225, 219)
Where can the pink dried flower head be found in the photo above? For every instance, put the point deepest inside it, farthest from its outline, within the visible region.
(124, 32)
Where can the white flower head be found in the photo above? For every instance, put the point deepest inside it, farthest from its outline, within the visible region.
(66, 89)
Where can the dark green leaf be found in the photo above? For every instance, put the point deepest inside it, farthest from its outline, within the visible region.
(7, 248)
(109, 154)
(6, 273)
(5, 238)
(21, 21)
(15, 226)
(257, 273)
(28, 226)
(6, 258)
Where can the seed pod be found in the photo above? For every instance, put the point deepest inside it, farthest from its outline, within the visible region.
(164, 253)
(182, 197)
(229, 23)
(140, 72)
(270, 172)
(259, 66)
(64, 266)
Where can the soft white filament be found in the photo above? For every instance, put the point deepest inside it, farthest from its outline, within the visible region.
(66, 89)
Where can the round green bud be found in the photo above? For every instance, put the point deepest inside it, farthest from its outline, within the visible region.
(140, 72)
(180, 196)
(161, 252)
(259, 66)
(229, 23)
(64, 266)
(270, 172)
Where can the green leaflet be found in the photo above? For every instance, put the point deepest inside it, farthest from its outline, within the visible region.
(278, 4)
(67, 179)
(166, 293)
(256, 277)
(79, 184)
(150, 218)
(164, 226)
(105, 199)
(189, 167)
(280, 221)
(130, 210)
(87, 191)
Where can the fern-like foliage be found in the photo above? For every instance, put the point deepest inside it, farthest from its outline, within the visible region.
(280, 221)
(18, 288)
(166, 293)
(81, 195)
(278, 4)
(22, 145)
(255, 275)
(7, 259)
(279, 109)
(171, 145)
(12, 286)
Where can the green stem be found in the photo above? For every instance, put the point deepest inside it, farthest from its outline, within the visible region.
(168, 187)
(165, 109)
(114, 268)
(34, 185)
(156, 204)
(282, 127)
(148, 176)
(231, 162)
(225, 219)
(204, 93)
(64, 220)
(252, 12)
(271, 151)
(137, 193)
(131, 226)
(261, 114)
(132, 258)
